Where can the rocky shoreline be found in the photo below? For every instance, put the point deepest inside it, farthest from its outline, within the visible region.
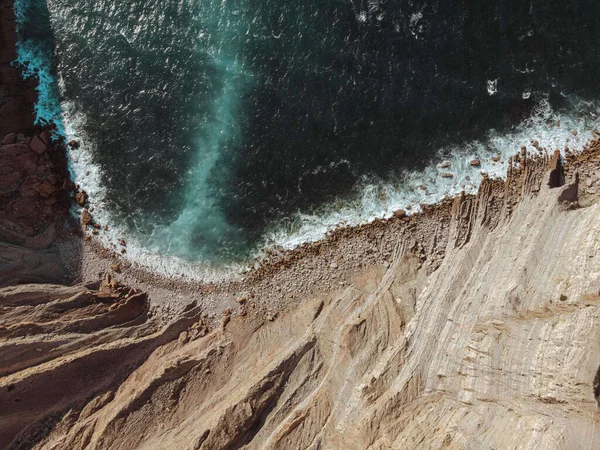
(35, 189)
(455, 326)
(284, 276)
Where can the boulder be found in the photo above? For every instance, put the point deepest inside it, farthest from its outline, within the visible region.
(67, 185)
(8, 183)
(446, 175)
(86, 217)
(27, 162)
(81, 198)
(475, 163)
(37, 145)
(400, 213)
(28, 187)
(73, 144)
(9, 139)
(11, 178)
(46, 189)
(445, 164)
(496, 158)
(12, 150)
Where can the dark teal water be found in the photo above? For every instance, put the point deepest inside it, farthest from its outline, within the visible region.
(207, 122)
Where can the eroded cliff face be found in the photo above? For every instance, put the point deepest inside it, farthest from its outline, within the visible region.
(482, 332)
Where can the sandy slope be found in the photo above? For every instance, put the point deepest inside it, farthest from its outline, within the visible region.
(482, 332)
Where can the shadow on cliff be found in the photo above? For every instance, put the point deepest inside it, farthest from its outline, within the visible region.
(40, 241)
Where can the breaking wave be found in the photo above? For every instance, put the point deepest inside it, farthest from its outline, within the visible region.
(372, 198)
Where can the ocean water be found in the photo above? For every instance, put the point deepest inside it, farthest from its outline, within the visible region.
(213, 129)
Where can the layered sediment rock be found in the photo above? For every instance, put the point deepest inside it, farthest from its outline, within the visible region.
(473, 325)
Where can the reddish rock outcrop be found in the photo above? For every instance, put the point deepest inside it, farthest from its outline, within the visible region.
(31, 202)
(81, 198)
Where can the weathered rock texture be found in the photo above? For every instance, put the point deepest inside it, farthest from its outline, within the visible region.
(34, 208)
(482, 332)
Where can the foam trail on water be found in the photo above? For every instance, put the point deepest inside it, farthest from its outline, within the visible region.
(89, 176)
(201, 224)
(200, 215)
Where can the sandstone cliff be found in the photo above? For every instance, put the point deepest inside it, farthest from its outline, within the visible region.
(473, 325)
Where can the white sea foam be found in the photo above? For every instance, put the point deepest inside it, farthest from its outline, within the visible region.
(375, 199)
(88, 175)
(372, 200)
(492, 86)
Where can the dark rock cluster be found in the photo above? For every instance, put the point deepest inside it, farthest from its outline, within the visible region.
(35, 201)
(34, 190)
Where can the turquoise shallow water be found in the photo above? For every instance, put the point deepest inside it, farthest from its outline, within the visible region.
(213, 128)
